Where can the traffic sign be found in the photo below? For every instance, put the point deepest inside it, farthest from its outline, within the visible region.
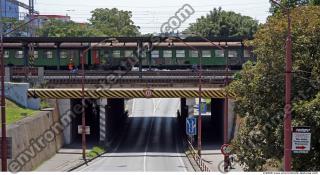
(191, 126)
(203, 107)
(226, 149)
(87, 130)
(301, 139)
(148, 93)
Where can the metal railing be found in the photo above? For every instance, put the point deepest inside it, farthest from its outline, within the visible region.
(203, 167)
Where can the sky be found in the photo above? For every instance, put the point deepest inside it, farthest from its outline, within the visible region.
(150, 15)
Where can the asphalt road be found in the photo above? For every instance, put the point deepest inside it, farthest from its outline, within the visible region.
(151, 142)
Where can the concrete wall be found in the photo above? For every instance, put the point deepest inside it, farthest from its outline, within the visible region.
(64, 106)
(25, 133)
(17, 92)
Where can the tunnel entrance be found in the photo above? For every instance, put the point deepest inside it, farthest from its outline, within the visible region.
(92, 119)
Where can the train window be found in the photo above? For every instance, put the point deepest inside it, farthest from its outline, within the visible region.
(246, 53)
(49, 54)
(128, 53)
(180, 53)
(6, 54)
(219, 53)
(206, 53)
(193, 53)
(167, 53)
(63, 54)
(116, 54)
(19, 54)
(155, 54)
(232, 54)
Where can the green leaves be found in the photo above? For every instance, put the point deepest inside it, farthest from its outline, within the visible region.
(104, 22)
(260, 91)
(224, 23)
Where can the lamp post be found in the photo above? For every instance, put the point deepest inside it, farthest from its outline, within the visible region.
(200, 96)
(3, 99)
(83, 119)
(3, 104)
(226, 99)
(288, 77)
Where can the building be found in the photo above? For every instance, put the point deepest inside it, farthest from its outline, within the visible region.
(9, 9)
(40, 20)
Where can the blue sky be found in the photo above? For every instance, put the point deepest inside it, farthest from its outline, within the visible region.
(149, 15)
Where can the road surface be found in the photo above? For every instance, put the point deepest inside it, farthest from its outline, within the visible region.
(151, 142)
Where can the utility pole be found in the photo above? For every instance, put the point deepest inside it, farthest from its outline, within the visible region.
(3, 102)
(288, 76)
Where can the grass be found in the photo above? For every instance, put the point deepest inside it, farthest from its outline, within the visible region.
(15, 113)
(96, 151)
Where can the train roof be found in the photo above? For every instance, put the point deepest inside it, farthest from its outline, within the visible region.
(121, 42)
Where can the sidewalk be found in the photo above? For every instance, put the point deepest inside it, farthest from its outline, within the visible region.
(65, 159)
(214, 159)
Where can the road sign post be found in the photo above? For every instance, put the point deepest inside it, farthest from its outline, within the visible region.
(191, 126)
(301, 139)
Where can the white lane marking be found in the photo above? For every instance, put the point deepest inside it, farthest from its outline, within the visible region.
(146, 148)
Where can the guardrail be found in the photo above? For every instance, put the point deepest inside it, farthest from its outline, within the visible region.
(198, 159)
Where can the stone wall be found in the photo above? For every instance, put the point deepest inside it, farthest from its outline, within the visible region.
(34, 140)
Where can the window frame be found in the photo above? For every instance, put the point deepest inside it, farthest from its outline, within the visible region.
(180, 56)
(204, 55)
(165, 52)
(218, 53)
(191, 52)
(233, 56)
(154, 56)
(19, 54)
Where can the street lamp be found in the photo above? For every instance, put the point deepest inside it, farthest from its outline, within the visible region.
(3, 99)
(287, 108)
(226, 100)
(83, 119)
(200, 96)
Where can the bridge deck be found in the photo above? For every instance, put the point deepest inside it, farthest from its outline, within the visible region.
(129, 93)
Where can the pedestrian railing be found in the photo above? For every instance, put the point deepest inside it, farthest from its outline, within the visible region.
(197, 158)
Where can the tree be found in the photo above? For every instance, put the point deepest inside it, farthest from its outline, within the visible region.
(259, 88)
(224, 23)
(114, 22)
(292, 3)
(58, 28)
(14, 27)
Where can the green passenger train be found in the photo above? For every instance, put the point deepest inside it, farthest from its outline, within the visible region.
(117, 55)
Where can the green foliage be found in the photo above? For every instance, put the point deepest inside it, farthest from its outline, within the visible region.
(260, 91)
(10, 23)
(96, 151)
(224, 23)
(292, 3)
(114, 22)
(15, 113)
(58, 28)
(104, 22)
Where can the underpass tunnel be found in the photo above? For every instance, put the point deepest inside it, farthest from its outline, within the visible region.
(215, 123)
(92, 120)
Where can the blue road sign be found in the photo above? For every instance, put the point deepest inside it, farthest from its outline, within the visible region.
(202, 107)
(191, 126)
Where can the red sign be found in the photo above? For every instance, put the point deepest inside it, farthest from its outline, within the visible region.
(148, 93)
(226, 149)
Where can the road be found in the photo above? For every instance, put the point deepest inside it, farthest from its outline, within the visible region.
(151, 142)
